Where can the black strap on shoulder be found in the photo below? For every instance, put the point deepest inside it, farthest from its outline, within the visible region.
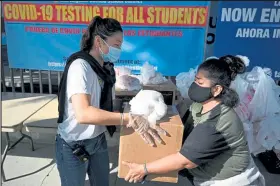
(106, 73)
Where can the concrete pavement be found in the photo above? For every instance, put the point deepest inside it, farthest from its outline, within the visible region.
(26, 168)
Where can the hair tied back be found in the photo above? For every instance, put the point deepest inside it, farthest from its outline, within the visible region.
(245, 60)
(236, 65)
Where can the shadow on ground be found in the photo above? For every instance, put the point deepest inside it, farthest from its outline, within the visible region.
(34, 168)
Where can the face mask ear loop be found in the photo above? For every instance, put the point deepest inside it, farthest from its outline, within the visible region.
(220, 92)
(211, 91)
(105, 42)
(102, 53)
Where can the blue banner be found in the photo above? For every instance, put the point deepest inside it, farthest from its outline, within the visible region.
(3, 39)
(170, 35)
(252, 29)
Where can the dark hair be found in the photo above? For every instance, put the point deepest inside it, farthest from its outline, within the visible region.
(222, 72)
(99, 27)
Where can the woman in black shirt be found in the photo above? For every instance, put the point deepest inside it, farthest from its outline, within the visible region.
(215, 152)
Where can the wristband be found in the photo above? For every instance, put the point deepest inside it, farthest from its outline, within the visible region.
(146, 173)
(145, 169)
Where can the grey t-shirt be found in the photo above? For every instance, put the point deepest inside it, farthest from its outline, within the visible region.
(216, 143)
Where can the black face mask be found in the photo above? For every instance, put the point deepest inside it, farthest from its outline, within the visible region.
(199, 94)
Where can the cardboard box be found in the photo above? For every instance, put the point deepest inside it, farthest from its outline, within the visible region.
(134, 149)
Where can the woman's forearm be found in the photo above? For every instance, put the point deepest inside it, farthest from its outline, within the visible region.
(96, 116)
(87, 114)
(167, 164)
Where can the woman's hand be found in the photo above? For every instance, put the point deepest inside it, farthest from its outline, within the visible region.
(141, 125)
(136, 172)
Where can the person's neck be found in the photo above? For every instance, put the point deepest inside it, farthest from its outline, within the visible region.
(97, 56)
(209, 105)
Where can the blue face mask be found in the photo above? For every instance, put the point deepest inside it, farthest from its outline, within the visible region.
(113, 54)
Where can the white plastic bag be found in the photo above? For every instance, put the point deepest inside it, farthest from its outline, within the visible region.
(241, 86)
(243, 89)
(242, 111)
(254, 146)
(253, 77)
(150, 76)
(264, 102)
(245, 93)
(158, 79)
(126, 82)
(274, 123)
(120, 71)
(266, 135)
(139, 77)
(149, 103)
(147, 72)
(276, 89)
(267, 71)
(184, 81)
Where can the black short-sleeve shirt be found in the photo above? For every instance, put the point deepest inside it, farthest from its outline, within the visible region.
(215, 141)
